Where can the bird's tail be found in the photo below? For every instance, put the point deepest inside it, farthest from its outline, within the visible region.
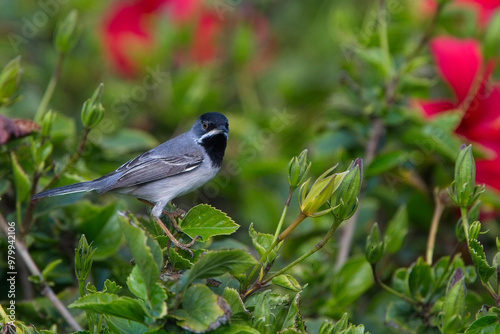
(69, 189)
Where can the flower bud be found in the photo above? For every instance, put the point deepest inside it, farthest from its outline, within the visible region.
(83, 259)
(92, 110)
(474, 230)
(297, 169)
(375, 245)
(346, 201)
(320, 192)
(65, 37)
(9, 80)
(463, 190)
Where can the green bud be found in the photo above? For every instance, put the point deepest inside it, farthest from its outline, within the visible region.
(474, 230)
(92, 110)
(83, 259)
(47, 123)
(346, 201)
(375, 245)
(9, 80)
(320, 192)
(65, 37)
(463, 190)
(498, 244)
(297, 169)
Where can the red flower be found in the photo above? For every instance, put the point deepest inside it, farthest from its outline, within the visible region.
(128, 32)
(460, 64)
(484, 8)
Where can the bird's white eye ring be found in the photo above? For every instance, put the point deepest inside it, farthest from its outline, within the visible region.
(205, 125)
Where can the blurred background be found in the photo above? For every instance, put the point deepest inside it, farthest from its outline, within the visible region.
(343, 79)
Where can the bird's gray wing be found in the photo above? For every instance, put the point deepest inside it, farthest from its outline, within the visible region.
(150, 167)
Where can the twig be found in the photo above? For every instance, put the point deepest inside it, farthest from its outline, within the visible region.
(49, 91)
(436, 217)
(74, 158)
(348, 231)
(46, 290)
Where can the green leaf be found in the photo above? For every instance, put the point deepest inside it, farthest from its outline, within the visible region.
(484, 325)
(146, 251)
(202, 310)
(453, 312)
(233, 298)
(293, 319)
(48, 269)
(21, 180)
(262, 242)
(236, 329)
(420, 280)
(178, 261)
(479, 258)
(125, 326)
(288, 282)
(111, 304)
(353, 279)
(396, 230)
(385, 162)
(206, 221)
(216, 263)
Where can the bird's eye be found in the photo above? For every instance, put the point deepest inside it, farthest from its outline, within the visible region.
(205, 125)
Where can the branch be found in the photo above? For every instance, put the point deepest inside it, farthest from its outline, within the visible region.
(46, 290)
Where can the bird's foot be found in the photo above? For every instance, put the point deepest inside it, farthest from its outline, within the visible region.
(174, 240)
(173, 215)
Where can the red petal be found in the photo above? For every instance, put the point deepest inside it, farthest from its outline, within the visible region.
(488, 172)
(485, 8)
(431, 108)
(458, 62)
(481, 122)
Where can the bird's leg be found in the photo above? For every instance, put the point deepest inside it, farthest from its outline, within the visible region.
(174, 240)
(171, 215)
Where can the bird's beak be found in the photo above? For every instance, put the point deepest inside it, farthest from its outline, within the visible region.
(224, 129)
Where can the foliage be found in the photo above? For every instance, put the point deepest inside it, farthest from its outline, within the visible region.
(295, 235)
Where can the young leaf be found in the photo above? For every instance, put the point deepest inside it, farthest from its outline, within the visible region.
(479, 258)
(261, 242)
(420, 280)
(288, 282)
(21, 181)
(111, 304)
(216, 263)
(352, 281)
(293, 319)
(202, 310)
(206, 221)
(233, 298)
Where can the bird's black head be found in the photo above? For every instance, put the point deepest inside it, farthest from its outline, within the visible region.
(212, 129)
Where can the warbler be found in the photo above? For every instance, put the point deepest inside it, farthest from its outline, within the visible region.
(171, 169)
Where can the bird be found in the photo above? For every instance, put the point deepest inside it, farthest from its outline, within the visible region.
(172, 169)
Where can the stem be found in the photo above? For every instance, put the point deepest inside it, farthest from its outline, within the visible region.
(348, 233)
(46, 290)
(74, 158)
(465, 223)
(384, 41)
(438, 212)
(49, 91)
(283, 214)
(492, 293)
(316, 248)
(81, 287)
(280, 238)
(389, 289)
